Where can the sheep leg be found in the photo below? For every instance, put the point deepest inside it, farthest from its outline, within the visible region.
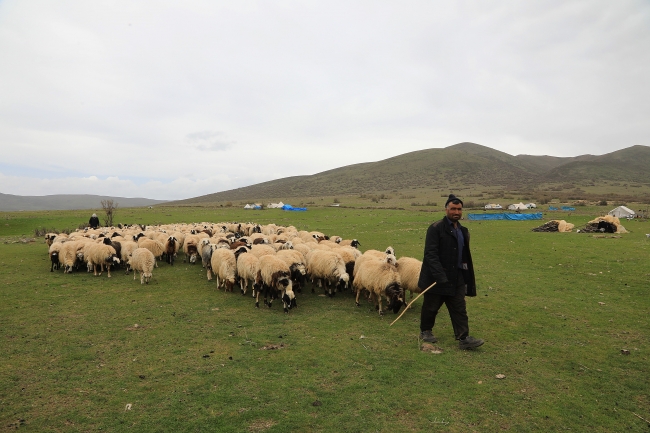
(108, 269)
(257, 299)
(141, 277)
(381, 313)
(95, 270)
(134, 277)
(209, 274)
(357, 300)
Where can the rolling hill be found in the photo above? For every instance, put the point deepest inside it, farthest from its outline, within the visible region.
(9, 202)
(460, 164)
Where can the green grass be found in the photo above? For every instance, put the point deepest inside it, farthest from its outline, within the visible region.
(73, 357)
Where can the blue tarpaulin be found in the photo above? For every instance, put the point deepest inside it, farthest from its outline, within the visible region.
(504, 216)
(295, 209)
(568, 208)
(552, 208)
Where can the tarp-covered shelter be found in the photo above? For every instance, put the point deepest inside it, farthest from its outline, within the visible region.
(248, 206)
(504, 216)
(622, 212)
(295, 209)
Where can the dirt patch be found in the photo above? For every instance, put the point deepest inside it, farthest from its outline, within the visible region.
(261, 425)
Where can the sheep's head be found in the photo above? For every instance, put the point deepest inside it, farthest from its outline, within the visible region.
(390, 250)
(115, 260)
(391, 259)
(106, 241)
(289, 298)
(395, 296)
(147, 277)
(343, 280)
(355, 243)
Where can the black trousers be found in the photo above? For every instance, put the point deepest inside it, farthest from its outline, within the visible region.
(456, 307)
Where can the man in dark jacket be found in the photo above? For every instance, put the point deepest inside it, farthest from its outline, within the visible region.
(448, 263)
(94, 221)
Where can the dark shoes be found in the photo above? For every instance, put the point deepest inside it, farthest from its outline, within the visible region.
(428, 337)
(469, 342)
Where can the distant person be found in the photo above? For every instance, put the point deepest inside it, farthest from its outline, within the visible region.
(94, 221)
(448, 263)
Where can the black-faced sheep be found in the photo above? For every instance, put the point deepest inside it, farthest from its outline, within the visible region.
(191, 248)
(143, 261)
(171, 248)
(296, 262)
(276, 280)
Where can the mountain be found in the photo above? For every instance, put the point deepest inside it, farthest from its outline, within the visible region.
(460, 164)
(9, 202)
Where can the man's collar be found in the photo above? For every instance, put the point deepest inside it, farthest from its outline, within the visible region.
(451, 223)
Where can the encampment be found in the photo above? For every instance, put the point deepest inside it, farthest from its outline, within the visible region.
(622, 212)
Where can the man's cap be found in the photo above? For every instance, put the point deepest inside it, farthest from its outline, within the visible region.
(453, 198)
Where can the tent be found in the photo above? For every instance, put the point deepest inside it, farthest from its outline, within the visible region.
(519, 206)
(622, 212)
(248, 206)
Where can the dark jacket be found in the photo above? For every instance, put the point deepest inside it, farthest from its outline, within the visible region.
(440, 260)
(93, 222)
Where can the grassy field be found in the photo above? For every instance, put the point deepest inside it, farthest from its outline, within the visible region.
(84, 353)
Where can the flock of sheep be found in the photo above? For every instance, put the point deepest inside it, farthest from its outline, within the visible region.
(273, 260)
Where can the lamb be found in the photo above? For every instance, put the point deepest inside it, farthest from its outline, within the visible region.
(329, 267)
(296, 262)
(380, 278)
(224, 266)
(276, 277)
(409, 273)
(248, 267)
(143, 261)
(100, 254)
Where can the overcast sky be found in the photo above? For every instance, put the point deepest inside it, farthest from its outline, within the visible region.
(171, 100)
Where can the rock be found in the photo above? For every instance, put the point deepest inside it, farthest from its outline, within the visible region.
(317, 403)
(430, 348)
(500, 376)
(625, 351)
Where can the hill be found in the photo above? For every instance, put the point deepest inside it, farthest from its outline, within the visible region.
(9, 202)
(460, 164)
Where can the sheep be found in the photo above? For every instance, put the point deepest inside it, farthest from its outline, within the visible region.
(248, 266)
(54, 251)
(127, 248)
(296, 262)
(350, 243)
(276, 277)
(262, 250)
(206, 258)
(171, 248)
(143, 261)
(115, 244)
(68, 255)
(49, 238)
(100, 254)
(409, 273)
(349, 256)
(303, 248)
(379, 278)
(156, 248)
(327, 266)
(190, 248)
(224, 266)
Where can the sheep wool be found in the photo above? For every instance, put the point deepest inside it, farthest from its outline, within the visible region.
(143, 261)
(409, 273)
(380, 279)
(224, 266)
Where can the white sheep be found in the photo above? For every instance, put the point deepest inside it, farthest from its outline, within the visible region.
(262, 250)
(380, 279)
(98, 254)
(143, 261)
(224, 266)
(127, 248)
(248, 267)
(156, 247)
(327, 266)
(409, 273)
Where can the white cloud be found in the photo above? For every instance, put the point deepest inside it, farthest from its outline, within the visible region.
(206, 95)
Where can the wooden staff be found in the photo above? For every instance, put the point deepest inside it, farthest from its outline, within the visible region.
(409, 305)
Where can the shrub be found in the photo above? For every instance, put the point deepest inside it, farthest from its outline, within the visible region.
(602, 203)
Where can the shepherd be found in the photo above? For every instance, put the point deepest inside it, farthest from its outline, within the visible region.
(448, 263)
(94, 221)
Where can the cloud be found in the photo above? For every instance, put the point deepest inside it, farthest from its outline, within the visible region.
(210, 141)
